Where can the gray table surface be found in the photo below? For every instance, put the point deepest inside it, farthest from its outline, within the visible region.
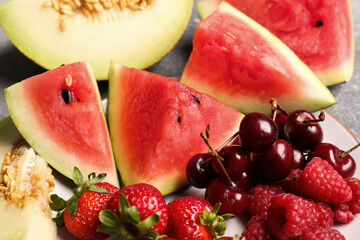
(14, 67)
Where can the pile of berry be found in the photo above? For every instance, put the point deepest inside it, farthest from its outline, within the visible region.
(98, 211)
(279, 170)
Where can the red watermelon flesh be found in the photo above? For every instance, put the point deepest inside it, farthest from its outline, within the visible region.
(242, 64)
(155, 125)
(320, 32)
(66, 135)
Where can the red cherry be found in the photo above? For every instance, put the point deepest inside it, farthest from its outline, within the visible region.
(233, 199)
(299, 160)
(235, 162)
(345, 166)
(199, 170)
(280, 122)
(302, 130)
(257, 132)
(274, 164)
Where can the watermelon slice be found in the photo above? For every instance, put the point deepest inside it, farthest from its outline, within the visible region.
(320, 32)
(237, 61)
(60, 114)
(155, 125)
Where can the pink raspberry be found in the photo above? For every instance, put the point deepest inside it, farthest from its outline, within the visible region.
(320, 181)
(289, 216)
(259, 199)
(322, 234)
(354, 204)
(256, 230)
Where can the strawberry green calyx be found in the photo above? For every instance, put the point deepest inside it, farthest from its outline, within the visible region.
(215, 223)
(128, 226)
(59, 204)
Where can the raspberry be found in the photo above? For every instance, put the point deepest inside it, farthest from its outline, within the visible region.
(342, 213)
(259, 199)
(320, 181)
(256, 230)
(326, 214)
(322, 234)
(354, 204)
(289, 216)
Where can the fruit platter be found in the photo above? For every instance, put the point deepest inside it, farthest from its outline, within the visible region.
(190, 119)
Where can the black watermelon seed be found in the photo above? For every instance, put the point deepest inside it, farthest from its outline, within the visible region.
(179, 119)
(196, 99)
(66, 96)
(319, 23)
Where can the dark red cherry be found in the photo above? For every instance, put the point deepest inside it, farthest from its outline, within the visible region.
(346, 166)
(299, 160)
(199, 170)
(280, 122)
(235, 162)
(302, 130)
(274, 164)
(233, 199)
(258, 132)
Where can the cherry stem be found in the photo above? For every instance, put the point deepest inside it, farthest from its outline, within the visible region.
(230, 139)
(344, 154)
(205, 137)
(319, 119)
(275, 106)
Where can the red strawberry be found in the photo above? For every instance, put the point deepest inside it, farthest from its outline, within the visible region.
(80, 214)
(84, 223)
(320, 181)
(194, 218)
(147, 199)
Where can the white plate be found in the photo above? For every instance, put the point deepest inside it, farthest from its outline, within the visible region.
(334, 132)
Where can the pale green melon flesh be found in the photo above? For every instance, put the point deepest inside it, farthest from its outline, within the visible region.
(294, 84)
(28, 223)
(133, 38)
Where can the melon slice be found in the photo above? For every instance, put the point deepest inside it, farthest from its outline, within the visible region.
(25, 184)
(237, 61)
(155, 125)
(60, 114)
(319, 32)
(136, 38)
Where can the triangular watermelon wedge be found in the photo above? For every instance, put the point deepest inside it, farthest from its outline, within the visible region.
(60, 114)
(239, 62)
(155, 125)
(320, 32)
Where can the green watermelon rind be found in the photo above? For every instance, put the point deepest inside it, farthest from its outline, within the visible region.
(322, 96)
(48, 149)
(329, 77)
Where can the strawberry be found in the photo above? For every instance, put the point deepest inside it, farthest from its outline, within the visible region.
(147, 200)
(80, 214)
(194, 218)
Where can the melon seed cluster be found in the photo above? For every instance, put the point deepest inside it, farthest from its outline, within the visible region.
(25, 175)
(68, 8)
